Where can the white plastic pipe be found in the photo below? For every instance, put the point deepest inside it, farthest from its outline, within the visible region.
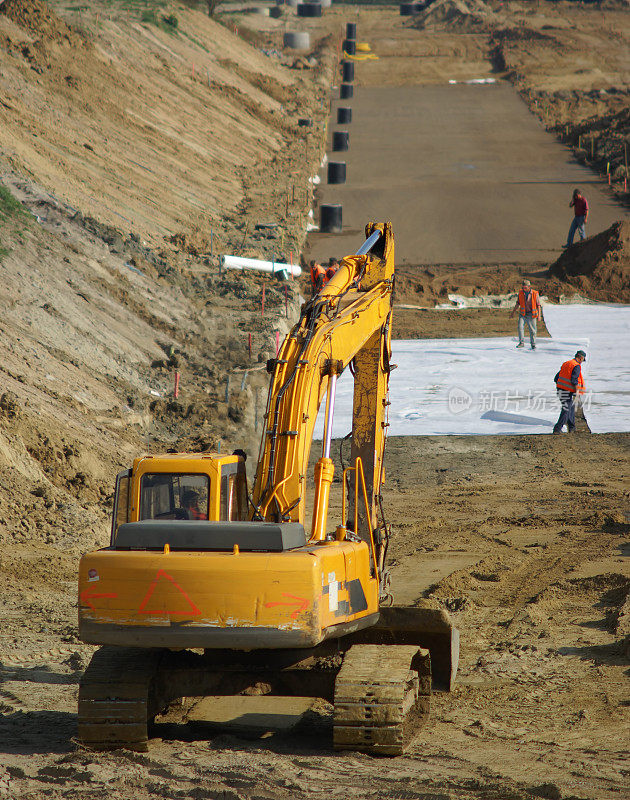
(236, 262)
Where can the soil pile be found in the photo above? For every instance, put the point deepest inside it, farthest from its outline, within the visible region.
(463, 15)
(37, 18)
(599, 266)
(432, 286)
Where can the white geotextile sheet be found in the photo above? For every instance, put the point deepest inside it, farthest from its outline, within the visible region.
(607, 367)
(487, 386)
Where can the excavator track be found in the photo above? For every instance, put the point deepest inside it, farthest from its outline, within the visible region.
(381, 696)
(116, 698)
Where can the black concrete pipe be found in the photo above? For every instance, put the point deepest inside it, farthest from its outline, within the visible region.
(344, 115)
(309, 10)
(336, 172)
(347, 71)
(340, 140)
(351, 30)
(330, 218)
(349, 46)
(346, 91)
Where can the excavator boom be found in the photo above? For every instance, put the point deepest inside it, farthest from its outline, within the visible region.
(347, 323)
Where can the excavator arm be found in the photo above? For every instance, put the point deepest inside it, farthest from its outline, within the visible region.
(348, 323)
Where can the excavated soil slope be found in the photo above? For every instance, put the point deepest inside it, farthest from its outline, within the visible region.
(160, 130)
(600, 266)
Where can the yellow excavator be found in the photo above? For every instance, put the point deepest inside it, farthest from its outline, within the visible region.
(208, 590)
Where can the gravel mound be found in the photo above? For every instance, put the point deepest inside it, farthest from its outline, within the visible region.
(473, 15)
(36, 17)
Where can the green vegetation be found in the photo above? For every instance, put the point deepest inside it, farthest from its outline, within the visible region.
(168, 23)
(171, 21)
(9, 206)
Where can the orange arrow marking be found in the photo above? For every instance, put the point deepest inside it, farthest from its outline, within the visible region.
(163, 579)
(301, 602)
(87, 595)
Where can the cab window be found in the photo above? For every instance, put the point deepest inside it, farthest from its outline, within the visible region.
(174, 496)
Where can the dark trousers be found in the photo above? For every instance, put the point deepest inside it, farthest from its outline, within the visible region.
(567, 411)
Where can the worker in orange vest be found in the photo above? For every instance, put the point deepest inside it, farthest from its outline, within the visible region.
(331, 269)
(318, 277)
(569, 385)
(529, 311)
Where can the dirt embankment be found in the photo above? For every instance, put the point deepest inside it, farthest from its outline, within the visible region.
(570, 66)
(140, 120)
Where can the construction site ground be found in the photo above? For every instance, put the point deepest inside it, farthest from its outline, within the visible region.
(132, 151)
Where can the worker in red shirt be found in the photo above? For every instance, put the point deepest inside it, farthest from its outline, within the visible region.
(579, 205)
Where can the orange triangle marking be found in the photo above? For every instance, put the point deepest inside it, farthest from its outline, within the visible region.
(165, 584)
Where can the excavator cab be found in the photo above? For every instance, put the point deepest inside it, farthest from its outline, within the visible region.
(181, 487)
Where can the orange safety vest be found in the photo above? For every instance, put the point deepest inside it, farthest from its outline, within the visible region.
(317, 272)
(535, 303)
(564, 377)
(330, 272)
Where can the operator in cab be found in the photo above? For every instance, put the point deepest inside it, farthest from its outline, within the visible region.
(190, 504)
